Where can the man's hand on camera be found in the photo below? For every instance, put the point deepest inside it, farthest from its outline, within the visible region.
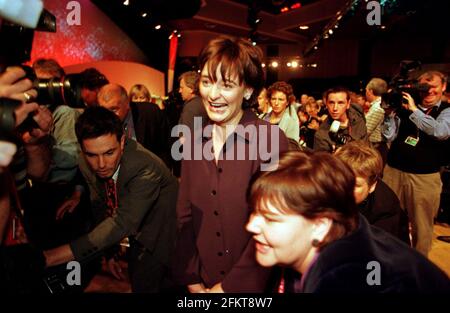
(410, 105)
(44, 120)
(13, 85)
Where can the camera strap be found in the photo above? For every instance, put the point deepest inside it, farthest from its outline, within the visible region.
(15, 232)
(413, 141)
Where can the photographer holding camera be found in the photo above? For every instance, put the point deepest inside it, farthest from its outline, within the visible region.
(420, 138)
(35, 136)
(346, 122)
(27, 124)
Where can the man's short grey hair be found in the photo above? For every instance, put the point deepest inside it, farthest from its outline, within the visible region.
(428, 76)
(110, 90)
(378, 86)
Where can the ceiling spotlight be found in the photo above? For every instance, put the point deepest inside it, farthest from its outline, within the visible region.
(263, 65)
(315, 48)
(383, 27)
(179, 35)
(289, 64)
(257, 21)
(294, 64)
(339, 17)
(336, 26)
(304, 27)
(314, 65)
(325, 36)
(175, 31)
(330, 31)
(274, 64)
(158, 26)
(126, 2)
(253, 43)
(144, 14)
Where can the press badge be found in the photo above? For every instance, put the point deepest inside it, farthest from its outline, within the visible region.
(412, 141)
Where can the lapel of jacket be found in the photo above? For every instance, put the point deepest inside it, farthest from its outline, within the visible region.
(125, 162)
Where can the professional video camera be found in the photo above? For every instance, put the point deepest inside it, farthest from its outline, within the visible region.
(402, 82)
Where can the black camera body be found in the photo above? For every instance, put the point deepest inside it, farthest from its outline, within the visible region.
(393, 98)
(337, 135)
(339, 138)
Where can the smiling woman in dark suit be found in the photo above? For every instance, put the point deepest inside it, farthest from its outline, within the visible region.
(214, 252)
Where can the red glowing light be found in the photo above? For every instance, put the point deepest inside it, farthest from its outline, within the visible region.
(284, 9)
(296, 5)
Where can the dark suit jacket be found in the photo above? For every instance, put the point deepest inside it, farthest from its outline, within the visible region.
(382, 209)
(147, 194)
(152, 129)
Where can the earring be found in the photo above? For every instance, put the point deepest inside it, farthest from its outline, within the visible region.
(315, 243)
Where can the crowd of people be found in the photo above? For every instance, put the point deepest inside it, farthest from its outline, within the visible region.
(272, 195)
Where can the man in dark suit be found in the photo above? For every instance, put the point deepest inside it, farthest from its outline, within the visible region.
(132, 194)
(143, 121)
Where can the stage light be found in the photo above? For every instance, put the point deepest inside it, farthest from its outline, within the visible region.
(158, 26)
(304, 27)
(294, 64)
(330, 31)
(263, 65)
(274, 64)
(144, 14)
(126, 2)
(289, 64)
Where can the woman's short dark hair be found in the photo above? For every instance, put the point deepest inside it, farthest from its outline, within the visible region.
(237, 56)
(97, 121)
(313, 185)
